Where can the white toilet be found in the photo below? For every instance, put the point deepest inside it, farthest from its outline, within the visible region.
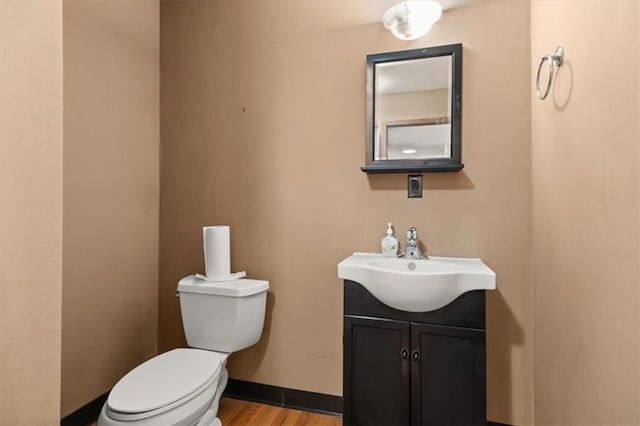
(184, 386)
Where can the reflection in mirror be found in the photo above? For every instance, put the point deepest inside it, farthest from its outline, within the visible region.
(414, 110)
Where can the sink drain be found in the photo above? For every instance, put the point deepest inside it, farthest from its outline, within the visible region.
(411, 266)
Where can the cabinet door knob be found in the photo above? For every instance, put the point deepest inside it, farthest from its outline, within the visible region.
(416, 355)
(404, 353)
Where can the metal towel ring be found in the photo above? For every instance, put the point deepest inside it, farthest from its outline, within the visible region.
(554, 60)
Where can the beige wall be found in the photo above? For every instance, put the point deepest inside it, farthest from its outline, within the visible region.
(111, 193)
(585, 215)
(263, 111)
(413, 105)
(30, 211)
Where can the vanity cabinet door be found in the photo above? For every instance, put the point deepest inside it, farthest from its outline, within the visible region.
(447, 375)
(376, 372)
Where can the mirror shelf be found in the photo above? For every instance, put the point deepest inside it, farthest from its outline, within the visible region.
(414, 103)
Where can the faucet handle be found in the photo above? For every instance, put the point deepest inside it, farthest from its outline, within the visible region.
(412, 233)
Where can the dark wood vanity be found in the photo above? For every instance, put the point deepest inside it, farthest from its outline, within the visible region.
(407, 368)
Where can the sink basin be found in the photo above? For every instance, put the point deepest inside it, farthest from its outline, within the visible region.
(416, 285)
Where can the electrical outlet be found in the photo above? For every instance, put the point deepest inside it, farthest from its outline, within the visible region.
(414, 186)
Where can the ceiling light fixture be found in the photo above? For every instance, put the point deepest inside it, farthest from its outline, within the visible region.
(410, 20)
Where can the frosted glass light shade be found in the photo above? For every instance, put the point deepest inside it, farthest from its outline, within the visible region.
(410, 20)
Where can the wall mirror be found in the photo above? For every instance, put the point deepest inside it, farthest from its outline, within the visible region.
(414, 107)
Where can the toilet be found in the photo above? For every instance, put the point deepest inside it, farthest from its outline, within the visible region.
(184, 386)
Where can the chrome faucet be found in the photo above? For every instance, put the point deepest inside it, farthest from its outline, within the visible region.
(413, 246)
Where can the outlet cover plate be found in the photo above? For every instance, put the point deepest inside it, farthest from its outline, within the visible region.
(414, 186)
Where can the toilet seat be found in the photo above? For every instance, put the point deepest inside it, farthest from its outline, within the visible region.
(164, 383)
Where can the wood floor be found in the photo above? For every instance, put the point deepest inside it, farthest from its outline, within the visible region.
(233, 412)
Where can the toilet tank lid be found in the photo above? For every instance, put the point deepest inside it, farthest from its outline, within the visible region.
(237, 288)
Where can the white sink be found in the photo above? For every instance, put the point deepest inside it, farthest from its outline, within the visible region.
(416, 285)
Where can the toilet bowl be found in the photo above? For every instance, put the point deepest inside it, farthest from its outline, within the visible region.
(184, 386)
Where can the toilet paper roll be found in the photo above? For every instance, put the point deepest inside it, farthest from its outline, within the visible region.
(217, 252)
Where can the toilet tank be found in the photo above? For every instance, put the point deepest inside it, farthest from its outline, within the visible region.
(222, 316)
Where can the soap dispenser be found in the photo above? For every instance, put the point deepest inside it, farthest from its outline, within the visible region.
(389, 243)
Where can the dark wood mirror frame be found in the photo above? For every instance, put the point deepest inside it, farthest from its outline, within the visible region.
(452, 164)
